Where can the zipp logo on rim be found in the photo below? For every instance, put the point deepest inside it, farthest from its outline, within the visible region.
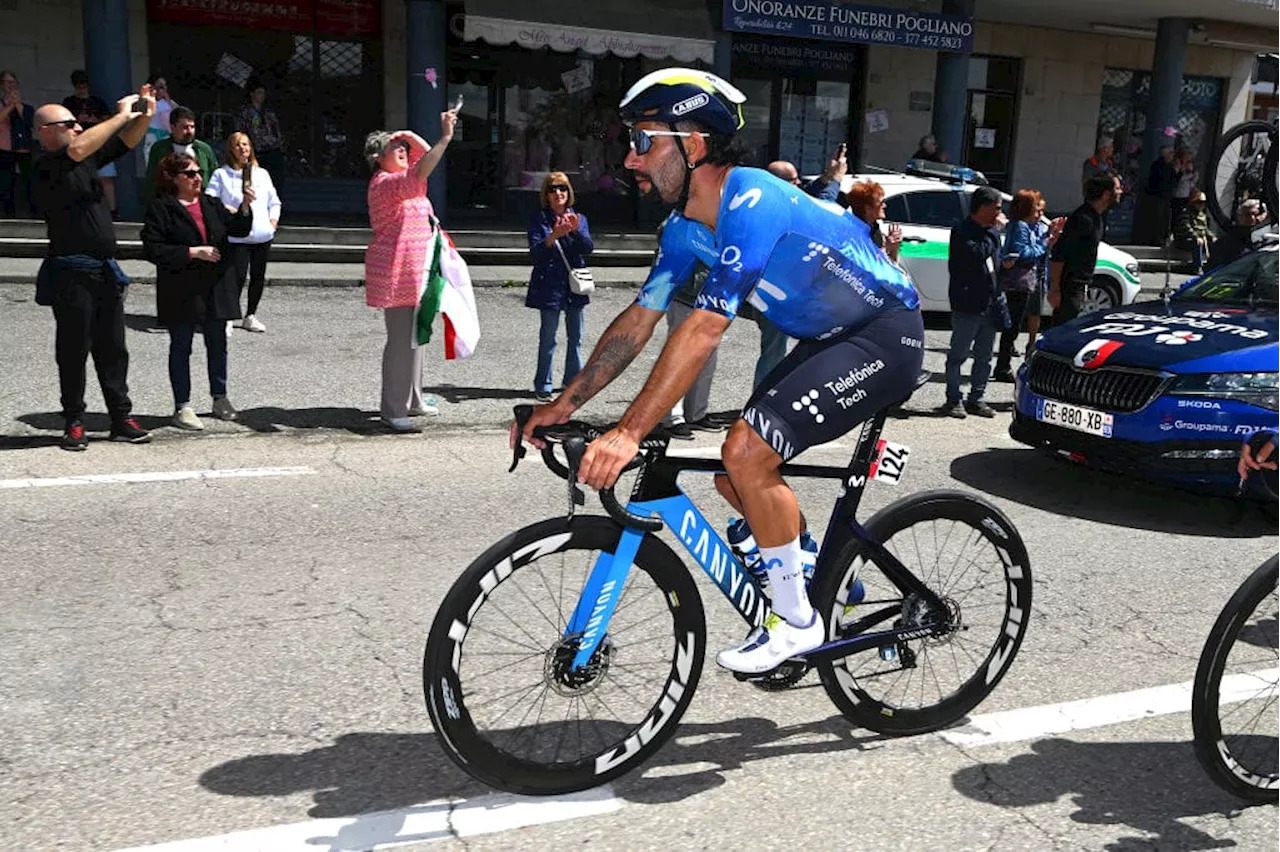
(656, 720)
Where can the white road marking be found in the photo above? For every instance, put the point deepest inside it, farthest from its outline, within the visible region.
(154, 476)
(1030, 723)
(439, 820)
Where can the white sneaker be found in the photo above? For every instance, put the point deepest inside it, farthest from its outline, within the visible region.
(768, 647)
(428, 409)
(185, 418)
(251, 323)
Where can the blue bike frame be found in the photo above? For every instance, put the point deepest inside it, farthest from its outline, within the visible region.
(656, 493)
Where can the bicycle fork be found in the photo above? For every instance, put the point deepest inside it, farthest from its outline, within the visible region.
(600, 596)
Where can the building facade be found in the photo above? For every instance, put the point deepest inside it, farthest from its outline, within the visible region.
(1019, 93)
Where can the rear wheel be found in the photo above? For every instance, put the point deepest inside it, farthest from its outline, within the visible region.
(1238, 170)
(508, 705)
(1102, 294)
(970, 555)
(1233, 703)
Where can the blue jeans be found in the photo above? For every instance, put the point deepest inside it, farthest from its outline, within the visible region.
(976, 333)
(215, 349)
(547, 347)
(773, 348)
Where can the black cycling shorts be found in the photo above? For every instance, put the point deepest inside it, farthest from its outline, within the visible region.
(824, 388)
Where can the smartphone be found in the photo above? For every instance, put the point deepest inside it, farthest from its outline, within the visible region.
(457, 105)
(842, 150)
(246, 175)
(139, 105)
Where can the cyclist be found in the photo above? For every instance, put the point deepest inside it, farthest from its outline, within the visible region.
(811, 267)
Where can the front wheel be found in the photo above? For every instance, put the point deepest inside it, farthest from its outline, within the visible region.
(1233, 703)
(970, 555)
(506, 701)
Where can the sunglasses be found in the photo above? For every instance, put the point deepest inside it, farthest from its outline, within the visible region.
(559, 187)
(66, 122)
(191, 173)
(642, 140)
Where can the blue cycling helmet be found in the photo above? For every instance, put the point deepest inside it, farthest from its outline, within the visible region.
(685, 94)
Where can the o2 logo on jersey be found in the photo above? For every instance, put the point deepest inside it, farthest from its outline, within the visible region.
(732, 258)
(751, 198)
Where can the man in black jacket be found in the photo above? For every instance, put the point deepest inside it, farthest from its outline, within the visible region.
(80, 278)
(1076, 254)
(974, 289)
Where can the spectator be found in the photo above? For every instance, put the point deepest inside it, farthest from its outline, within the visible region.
(558, 235)
(404, 224)
(1025, 248)
(1185, 168)
(1191, 231)
(693, 411)
(165, 104)
(1041, 305)
(1101, 163)
(928, 150)
(1238, 239)
(1076, 253)
(826, 187)
(79, 277)
(249, 253)
(185, 235)
(866, 200)
(1161, 182)
(89, 110)
(263, 128)
(974, 293)
(182, 140)
(17, 127)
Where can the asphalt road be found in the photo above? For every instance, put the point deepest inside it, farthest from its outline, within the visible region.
(192, 657)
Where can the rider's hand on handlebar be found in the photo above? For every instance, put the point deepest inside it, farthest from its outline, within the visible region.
(606, 457)
(1264, 460)
(543, 415)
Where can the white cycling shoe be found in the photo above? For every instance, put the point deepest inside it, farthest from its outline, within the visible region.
(770, 646)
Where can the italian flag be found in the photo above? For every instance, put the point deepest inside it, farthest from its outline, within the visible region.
(446, 290)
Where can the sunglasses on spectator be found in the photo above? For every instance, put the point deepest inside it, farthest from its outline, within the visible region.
(558, 187)
(190, 172)
(642, 140)
(66, 122)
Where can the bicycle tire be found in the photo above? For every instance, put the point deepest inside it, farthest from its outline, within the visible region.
(853, 694)
(453, 689)
(1271, 187)
(1214, 195)
(1216, 755)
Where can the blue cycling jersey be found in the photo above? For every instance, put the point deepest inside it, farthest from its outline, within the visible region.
(809, 266)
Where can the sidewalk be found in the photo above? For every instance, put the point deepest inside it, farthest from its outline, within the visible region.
(21, 270)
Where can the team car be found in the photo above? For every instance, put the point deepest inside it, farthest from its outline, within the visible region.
(929, 199)
(1164, 390)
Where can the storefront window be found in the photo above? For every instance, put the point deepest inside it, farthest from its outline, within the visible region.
(991, 117)
(814, 119)
(1123, 117)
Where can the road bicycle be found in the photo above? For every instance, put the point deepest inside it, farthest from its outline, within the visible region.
(1234, 711)
(1242, 165)
(564, 656)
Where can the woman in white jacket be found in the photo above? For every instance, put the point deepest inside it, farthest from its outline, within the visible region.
(250, 253)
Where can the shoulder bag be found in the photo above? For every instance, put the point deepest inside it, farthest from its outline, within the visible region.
(581, 282)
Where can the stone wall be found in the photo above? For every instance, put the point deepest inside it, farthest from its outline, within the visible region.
(43, 42)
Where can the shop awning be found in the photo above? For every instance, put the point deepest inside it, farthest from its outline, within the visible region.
(676, 29)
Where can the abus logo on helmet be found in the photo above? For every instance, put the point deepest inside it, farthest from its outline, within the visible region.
(690, 104)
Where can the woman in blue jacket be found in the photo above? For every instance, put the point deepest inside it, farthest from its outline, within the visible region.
(557, 222)
(1027, 242)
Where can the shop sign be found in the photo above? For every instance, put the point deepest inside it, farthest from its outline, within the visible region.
(850, 23)
(795, 57)
(337, 17)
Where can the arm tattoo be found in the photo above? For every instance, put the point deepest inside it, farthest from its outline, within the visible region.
(611, 357)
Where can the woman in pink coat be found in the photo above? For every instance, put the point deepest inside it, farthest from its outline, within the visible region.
(396, 260)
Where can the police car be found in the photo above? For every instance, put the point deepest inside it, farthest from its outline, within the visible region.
(929, 199)
(1164, 389)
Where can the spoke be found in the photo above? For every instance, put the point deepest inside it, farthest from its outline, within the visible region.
(505, 638)
(520, 586)
(493, 606)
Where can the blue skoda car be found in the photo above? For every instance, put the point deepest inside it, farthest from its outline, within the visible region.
(1161, 390)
